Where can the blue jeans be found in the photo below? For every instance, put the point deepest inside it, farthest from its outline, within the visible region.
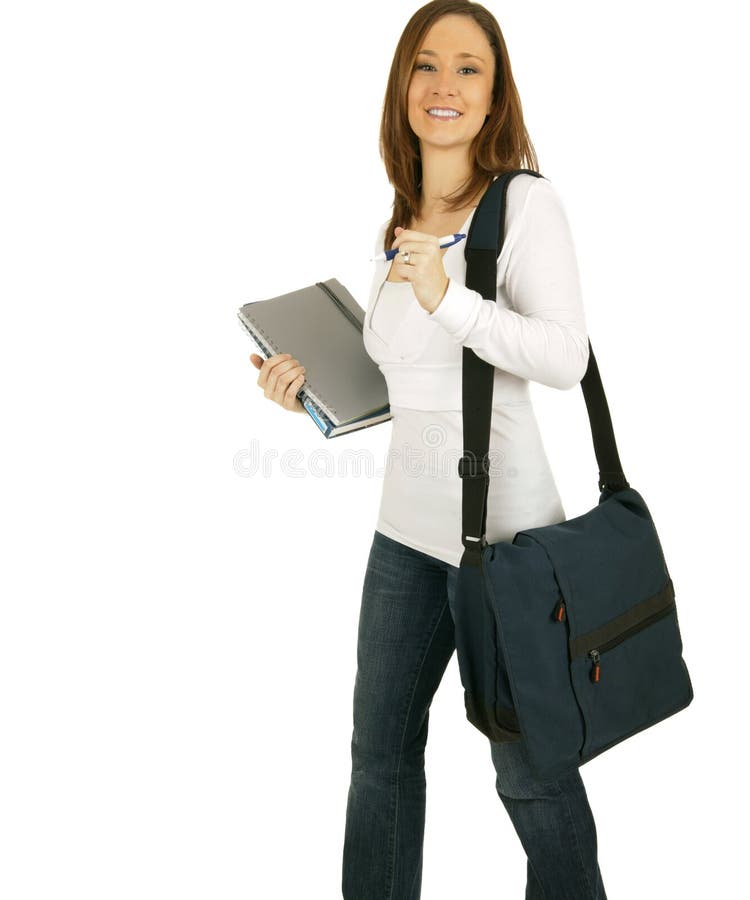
(405, 641)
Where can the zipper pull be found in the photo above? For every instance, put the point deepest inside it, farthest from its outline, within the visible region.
(594, 654)
(559, 613)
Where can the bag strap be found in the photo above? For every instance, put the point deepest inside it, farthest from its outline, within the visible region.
(484, 243)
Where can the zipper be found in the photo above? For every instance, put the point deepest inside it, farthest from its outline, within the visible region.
(594, 654)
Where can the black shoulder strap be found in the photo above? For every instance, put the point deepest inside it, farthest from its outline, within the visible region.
(483, 245)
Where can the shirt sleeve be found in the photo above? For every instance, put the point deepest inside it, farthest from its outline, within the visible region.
(543, 337)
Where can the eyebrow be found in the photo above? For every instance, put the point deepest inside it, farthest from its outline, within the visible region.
(462, 55)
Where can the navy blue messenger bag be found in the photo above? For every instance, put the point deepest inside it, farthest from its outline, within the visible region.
(567, 636)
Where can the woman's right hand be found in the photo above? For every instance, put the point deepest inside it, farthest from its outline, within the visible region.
(281, 377)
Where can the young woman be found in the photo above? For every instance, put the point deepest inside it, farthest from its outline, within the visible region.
(451, 123)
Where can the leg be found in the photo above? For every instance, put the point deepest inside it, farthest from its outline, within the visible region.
(405, 641)
(555, 824)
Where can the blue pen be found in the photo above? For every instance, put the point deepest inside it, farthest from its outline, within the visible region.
(448, 241)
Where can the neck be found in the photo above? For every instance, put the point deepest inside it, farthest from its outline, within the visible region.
(443, 171)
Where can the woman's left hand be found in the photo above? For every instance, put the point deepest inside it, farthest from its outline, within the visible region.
(425, 267)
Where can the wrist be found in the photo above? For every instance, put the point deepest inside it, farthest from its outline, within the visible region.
(440, 300)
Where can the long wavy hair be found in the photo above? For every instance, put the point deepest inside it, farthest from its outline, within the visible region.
(501, 144)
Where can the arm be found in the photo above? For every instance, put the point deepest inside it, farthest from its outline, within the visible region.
(543, 338)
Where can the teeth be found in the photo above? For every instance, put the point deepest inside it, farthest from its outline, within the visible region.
(448, 114)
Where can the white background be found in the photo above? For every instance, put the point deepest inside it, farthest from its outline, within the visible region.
(178, 636)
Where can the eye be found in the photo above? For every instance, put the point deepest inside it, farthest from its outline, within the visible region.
(430, 66)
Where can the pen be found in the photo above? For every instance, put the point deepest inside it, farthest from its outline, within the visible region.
(448, 241)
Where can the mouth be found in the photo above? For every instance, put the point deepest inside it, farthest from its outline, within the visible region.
(443, 113)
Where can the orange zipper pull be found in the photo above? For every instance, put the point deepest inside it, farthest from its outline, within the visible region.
(594, 654)
(559, 613)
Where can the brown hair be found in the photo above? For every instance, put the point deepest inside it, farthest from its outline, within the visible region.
(501, 144)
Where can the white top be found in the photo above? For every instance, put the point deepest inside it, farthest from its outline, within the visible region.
(535, 330)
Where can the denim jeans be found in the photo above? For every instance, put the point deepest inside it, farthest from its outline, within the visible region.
(405, 641)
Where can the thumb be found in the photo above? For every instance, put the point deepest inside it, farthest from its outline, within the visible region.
(256, 360)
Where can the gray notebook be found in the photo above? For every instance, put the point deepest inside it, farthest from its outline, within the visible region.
(321, 326)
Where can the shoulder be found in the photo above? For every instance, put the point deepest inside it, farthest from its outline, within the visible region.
(535, 212)
(531, 193)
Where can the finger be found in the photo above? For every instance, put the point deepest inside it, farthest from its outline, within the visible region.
(413, 236)
(290, 398)
(417, 252)
(272, 364)
(418, 248)
(271, 361)
(406, 244)
(289, 383)
(279, 360)
(408, 235)
(277, 373)
(418, 262)
(279, 381)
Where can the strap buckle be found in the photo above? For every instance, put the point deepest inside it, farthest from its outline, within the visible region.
(468, 467)
(474, 543)
(473, 548)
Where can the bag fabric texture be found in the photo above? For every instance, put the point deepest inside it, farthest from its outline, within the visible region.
(567, 636)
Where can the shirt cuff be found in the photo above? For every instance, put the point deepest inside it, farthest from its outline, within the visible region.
(456, 307)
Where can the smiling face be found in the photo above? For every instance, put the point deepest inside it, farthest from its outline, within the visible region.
(453, 76)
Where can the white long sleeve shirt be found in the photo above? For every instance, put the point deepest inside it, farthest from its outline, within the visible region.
(534, 330)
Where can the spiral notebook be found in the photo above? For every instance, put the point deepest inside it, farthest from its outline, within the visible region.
(321, 326)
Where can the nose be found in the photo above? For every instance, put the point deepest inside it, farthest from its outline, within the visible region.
(446, 83)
